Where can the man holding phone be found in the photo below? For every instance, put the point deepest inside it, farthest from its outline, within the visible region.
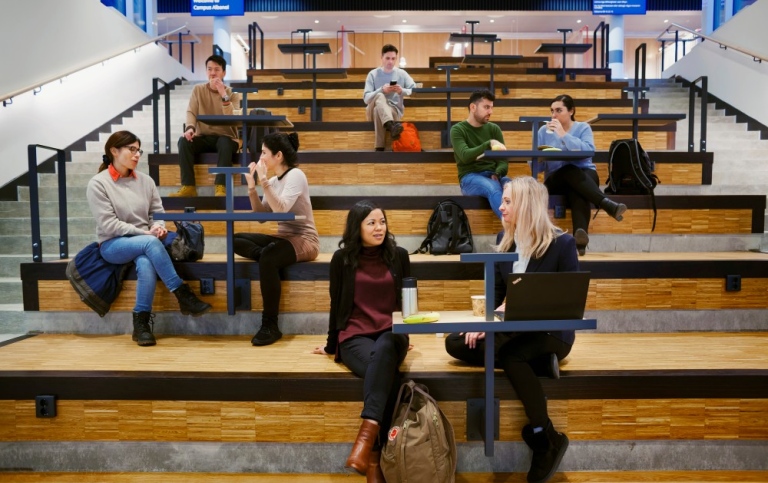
(385, 87)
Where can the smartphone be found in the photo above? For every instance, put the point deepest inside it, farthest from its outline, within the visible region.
(393, 83)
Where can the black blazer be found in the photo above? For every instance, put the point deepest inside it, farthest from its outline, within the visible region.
(342, 290)
(561, 256)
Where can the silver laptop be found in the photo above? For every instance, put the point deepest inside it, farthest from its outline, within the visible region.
(545, 296)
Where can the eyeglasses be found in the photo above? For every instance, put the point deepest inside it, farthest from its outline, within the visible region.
(134, 150)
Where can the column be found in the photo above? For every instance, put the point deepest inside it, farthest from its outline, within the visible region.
(223, 38)
(616, 46)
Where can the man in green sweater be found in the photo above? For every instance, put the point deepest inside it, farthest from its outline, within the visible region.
(211, 98)
(470, 139)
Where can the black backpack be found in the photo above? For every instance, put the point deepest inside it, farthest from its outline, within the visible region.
(630, 171)
(448, 231)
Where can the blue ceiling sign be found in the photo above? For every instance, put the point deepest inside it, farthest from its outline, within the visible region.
(216, 8)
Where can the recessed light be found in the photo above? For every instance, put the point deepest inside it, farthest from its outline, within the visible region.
(317, 21)
(666, 21)
(405, 21)
(492, 20)
(578, 21)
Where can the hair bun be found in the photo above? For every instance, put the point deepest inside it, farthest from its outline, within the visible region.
(293, 138)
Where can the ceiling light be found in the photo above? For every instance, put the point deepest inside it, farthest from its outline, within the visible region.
(492, 20)
(405, 21)
(317, 21)
(578, 21)
(666, 21)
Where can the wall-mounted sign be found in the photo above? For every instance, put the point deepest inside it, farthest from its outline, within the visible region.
(216, 8)
(618, 7)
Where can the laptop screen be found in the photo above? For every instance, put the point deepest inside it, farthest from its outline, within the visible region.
(546, 296)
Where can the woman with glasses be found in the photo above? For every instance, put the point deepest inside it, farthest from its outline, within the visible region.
(123, 201)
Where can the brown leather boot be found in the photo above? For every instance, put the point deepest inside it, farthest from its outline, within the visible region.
(374, 474)
(360, 455)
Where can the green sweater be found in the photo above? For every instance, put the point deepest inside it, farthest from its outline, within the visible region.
(470, 142)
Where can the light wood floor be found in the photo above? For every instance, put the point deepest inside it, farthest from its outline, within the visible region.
(592, 351)
(574, 477)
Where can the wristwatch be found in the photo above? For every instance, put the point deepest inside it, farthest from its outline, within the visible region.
(225, 98)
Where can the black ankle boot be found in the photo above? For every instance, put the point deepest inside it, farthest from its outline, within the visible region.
(189, 303)
(142, 328)
(582, 240)
(268, 333)
(548, 449)
(616, 210)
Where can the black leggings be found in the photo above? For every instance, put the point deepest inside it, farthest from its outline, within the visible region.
(272, 253)
(377, 359)
(523, 357)
(581, 187)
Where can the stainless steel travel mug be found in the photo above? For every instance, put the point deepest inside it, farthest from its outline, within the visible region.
(410, 297)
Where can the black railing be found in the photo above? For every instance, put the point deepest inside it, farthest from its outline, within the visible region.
(691, 113)
(181, 43)
(640, 60)
(156, 115)
(34, 202)
(604, 29)
(253, 59)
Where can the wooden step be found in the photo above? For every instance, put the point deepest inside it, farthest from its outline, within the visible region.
(620, 281)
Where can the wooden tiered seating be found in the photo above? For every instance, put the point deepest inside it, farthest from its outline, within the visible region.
(620, 281)
(424, 168)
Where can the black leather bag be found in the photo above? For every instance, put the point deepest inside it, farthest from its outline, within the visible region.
(189, 243)
(448, 231)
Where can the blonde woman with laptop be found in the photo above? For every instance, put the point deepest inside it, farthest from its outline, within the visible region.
(541, 247)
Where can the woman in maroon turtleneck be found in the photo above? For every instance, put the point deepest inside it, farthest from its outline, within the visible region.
(365, 283)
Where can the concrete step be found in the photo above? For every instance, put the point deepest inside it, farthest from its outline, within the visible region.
(20, 209)
(10, 291)
(49, 226)
(22, 244)
(9, 264)
(247, 323)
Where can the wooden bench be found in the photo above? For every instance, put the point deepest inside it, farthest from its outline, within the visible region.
(620, 281)
(424, 168)
(408, 215)
(220, 389)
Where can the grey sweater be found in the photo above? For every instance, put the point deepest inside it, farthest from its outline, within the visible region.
(377, 79)
(123, 207)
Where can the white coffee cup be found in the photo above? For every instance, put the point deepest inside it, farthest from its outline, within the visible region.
(478, 305)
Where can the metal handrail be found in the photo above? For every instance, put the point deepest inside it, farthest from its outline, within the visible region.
(192, 42)
(638, 64)
(604, 29)
(155, 115)
(755, 57)
(34, 202)
(65, 74)
(692, 108)
(252, 58)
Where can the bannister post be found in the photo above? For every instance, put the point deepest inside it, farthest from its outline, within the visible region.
(34, 202)
(155, 115)
(704, 101)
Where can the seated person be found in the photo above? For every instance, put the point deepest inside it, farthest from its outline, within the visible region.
(385, 87)
(365, 285)
(470, 138)
(541, 247)
(211, 98)
(575, 179)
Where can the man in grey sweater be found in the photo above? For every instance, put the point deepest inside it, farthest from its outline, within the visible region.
(385, 87)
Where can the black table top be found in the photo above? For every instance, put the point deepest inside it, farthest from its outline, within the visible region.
(641, 119)
(327, 73)
(558, 48)
(311, 48)
(259, 120)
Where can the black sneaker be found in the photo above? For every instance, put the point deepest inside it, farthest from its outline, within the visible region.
(396, 129)
(268, 334)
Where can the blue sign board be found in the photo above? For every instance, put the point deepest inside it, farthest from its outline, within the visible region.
(216, 8)
(618, 7)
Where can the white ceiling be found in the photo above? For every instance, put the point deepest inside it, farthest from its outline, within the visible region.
(505, 24)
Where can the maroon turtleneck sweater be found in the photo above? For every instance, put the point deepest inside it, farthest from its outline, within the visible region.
(374, 299)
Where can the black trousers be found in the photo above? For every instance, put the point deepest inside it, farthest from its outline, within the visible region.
(581, 187)
(522, 357)
(377, 360)
(272, 253)
(188, 150)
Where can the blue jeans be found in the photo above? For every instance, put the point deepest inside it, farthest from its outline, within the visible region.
(481, 184)
(151, 259)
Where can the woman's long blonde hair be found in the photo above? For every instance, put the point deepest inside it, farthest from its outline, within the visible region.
(529, 226)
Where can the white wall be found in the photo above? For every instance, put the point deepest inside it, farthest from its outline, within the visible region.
(42, 39)
(63, 112)
(733, 77)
